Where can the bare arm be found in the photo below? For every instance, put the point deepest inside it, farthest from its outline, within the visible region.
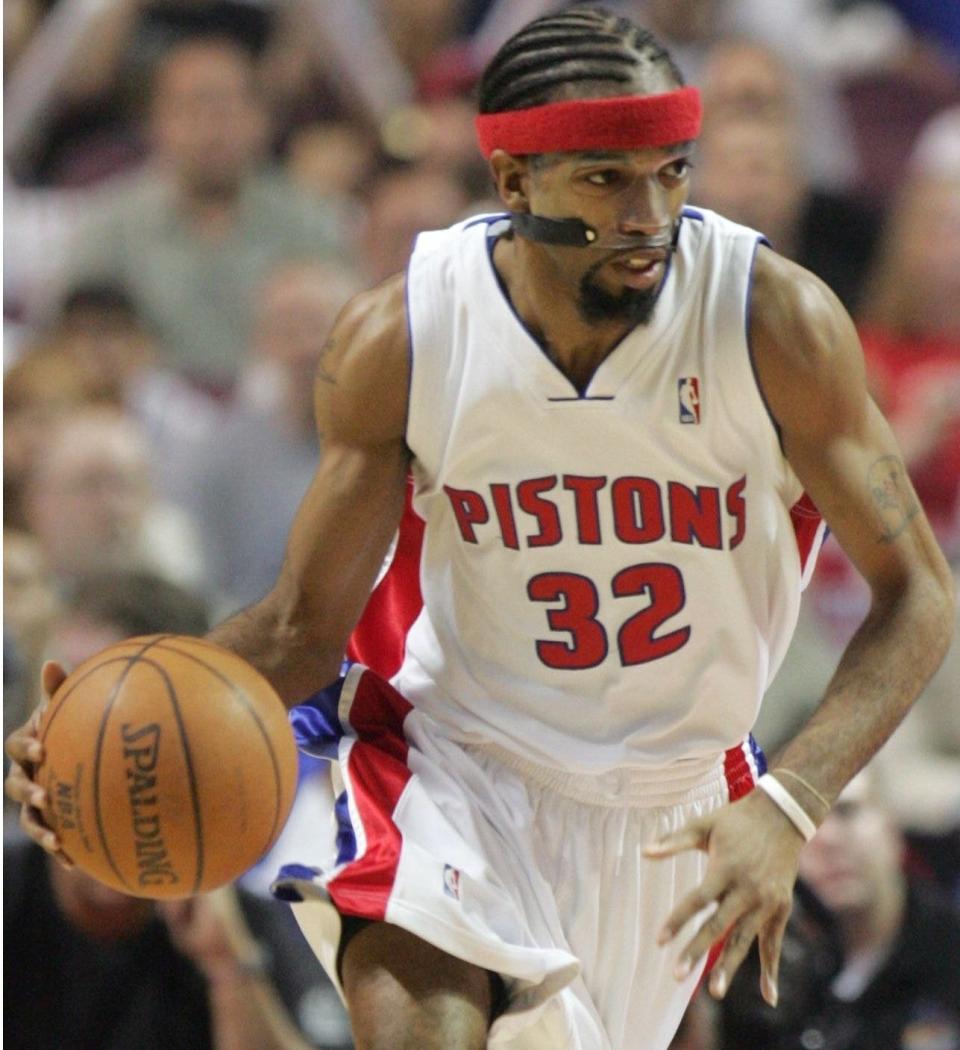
(844, 453)
(296, 636)
(811, 371)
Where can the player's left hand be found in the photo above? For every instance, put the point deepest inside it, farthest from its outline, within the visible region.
(754, 851)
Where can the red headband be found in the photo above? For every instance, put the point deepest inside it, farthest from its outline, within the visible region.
(623, 122)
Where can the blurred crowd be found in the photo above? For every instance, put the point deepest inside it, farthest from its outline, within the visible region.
(194, 188)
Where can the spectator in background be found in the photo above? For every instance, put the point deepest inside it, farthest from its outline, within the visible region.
(330, 159)
(75, 91)
(751, 166)
(870, 959)
(41, 388)
(99, 328)
(418, 29)
(254, 470)
(30, 603)
(95, 969)
(192, 236)
(403, 201)
(898, 939)
(90, 502)
(910, 324)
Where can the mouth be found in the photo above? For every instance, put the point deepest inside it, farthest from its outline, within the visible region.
(640, 269)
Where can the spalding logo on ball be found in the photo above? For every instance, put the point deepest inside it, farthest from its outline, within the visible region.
(169, 764)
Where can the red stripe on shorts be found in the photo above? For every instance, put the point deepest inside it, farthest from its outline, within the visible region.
(377, 772)
(738, 772)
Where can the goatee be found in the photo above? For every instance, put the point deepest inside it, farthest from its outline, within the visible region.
(633, 305)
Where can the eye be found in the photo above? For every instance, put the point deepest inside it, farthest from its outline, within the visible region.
(606, 177)
(675, 170)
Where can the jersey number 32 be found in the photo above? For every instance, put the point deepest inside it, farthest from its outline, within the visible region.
(637, 638)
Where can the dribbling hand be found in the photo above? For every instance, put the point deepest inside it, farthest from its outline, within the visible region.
(25, 752)
(754, 852)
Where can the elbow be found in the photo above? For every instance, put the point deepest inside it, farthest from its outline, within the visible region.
(927, 595)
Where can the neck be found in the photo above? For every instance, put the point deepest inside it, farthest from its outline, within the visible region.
(547, 305)
(874, 927)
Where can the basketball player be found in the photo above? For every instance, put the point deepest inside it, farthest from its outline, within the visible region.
(610, 404)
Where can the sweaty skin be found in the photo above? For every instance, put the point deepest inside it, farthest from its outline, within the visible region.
(811, 372)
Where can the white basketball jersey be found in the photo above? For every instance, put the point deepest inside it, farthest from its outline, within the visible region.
(610, 578)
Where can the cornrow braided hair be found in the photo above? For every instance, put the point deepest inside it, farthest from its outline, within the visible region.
(580, 43)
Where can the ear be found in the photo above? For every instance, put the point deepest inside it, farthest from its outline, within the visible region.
(511, 175)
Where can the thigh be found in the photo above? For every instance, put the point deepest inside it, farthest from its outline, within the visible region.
(612, 901)
(405, 994)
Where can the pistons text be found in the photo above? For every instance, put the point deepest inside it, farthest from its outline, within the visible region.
(541, 512)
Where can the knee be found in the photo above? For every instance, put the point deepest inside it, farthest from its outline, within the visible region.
(404, 994)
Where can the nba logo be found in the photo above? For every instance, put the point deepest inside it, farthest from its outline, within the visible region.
(451, 882)
(688, 393)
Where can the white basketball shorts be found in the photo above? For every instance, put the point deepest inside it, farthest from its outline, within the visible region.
(529, 872)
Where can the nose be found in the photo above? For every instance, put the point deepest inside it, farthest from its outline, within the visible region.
(647, 210)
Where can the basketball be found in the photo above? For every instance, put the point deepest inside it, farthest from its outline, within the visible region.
(169, 765)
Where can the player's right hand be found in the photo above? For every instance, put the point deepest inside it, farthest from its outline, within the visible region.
(25, 751)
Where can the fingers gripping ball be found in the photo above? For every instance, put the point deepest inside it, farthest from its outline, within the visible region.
(169, 764)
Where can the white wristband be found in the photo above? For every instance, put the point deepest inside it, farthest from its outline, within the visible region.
(788, 805)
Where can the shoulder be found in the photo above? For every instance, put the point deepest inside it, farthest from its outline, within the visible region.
(784, 293)
(363, 375)
(804, 343)
(372, 326)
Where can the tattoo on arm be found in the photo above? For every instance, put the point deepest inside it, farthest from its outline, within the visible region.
(323, 371)
(893, 497)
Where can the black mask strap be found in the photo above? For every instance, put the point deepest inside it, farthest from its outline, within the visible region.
(570, 233)
(575, 233)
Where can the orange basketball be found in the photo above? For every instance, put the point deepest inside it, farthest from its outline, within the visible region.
(169, 764)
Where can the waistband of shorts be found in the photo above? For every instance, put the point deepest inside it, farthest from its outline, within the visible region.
(682, 783)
